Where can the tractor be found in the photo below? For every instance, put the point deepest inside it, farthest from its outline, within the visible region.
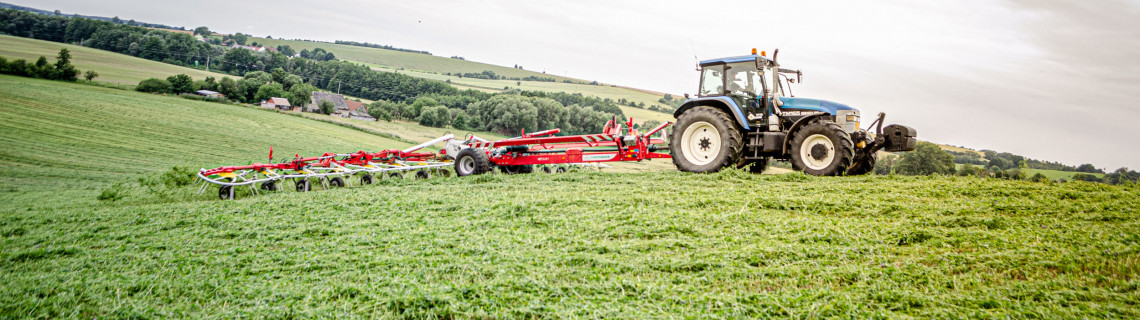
(745, 116)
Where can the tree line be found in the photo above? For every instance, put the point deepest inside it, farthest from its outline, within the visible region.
(930, 159)
(60, 70)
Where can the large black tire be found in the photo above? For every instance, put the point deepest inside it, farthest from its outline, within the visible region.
(523, 169)
(705, 139)
(822, 148)
(336, 182)
(863, 164)
(471, 161)
(756, 166)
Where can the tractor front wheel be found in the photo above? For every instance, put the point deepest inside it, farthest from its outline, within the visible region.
(705, 139)
(822, 148)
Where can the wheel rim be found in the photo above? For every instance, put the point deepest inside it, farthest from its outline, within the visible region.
(817, 152)
(467, 165)
(700, 143)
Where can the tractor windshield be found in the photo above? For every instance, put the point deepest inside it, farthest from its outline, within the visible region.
(744, 79)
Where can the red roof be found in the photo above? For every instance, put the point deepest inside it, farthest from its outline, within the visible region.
(279, 101)
(354, 105)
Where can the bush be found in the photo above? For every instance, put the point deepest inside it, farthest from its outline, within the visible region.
(327, 107)
(181, 83)
(438, 116)
(90, 75)
(154, 85)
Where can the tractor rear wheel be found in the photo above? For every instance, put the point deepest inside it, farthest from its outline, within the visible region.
(705, 139)
(471, 161)
(822, 148)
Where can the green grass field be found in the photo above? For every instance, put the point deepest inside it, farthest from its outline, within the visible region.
(112, 67)
(579, 245)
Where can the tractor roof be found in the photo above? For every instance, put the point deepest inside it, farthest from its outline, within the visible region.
(732, 59)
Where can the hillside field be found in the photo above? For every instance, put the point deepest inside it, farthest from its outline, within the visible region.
(112, 67)
(579, 245)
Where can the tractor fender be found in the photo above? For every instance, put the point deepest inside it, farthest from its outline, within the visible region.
(792, 130)
(725, 104)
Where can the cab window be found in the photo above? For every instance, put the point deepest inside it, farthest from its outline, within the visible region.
(712, 81)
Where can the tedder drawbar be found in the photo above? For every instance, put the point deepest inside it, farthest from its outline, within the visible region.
(471, 156)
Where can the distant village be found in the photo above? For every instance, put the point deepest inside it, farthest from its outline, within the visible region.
(342, 107)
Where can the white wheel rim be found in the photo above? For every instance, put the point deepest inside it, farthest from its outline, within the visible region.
(467, 165)
(811, 142)
(700, 143)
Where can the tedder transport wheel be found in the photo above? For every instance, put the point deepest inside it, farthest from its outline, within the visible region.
(366, 179)
(304, 185)
(336, 182)
(422, 174)
(471, 161)
(705, 140)
(226, 193)
(821, 148)
(523, 169)
(560, 169)
(269, 186)
(395, 175)
(545, 169)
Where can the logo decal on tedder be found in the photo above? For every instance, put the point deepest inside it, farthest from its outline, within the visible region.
(598, 157)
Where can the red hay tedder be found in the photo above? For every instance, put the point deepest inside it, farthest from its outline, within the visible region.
(471, 156)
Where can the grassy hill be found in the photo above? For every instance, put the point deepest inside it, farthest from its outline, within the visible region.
(58, 136)
(433, 67)
(112, 67)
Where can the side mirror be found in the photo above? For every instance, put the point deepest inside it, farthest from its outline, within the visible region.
(800, 76)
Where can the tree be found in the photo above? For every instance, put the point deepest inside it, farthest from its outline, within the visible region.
(154, 85)
(180, 83)
(239, 38)
(886, 165)
(272, 90)
(327, 107)
(460, 120)
(63, 68)
(286, 50)
(926, 159)
(90, 75)
(437, 116)
(420, 104)
(230, 88)
(202, 31)
(1089, 168)
(153, 48)
(300, 94)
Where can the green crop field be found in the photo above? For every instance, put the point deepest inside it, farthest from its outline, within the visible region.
(579, 245)
(112, 67)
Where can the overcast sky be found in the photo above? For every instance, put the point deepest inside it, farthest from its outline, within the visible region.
(1052, 80)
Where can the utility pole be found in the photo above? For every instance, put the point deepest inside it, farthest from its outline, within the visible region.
(207, 63)
(338, 87)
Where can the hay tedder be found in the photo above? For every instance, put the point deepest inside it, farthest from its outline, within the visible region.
(471, 156)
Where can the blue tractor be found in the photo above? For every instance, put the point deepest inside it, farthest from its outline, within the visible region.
(745, 116)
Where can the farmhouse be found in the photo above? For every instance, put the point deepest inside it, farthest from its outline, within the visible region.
(277, 103)
(337, 100)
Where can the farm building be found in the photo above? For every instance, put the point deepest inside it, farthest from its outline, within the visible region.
(277, 103)
(337, 100)
(209, 94)
(357, 110)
